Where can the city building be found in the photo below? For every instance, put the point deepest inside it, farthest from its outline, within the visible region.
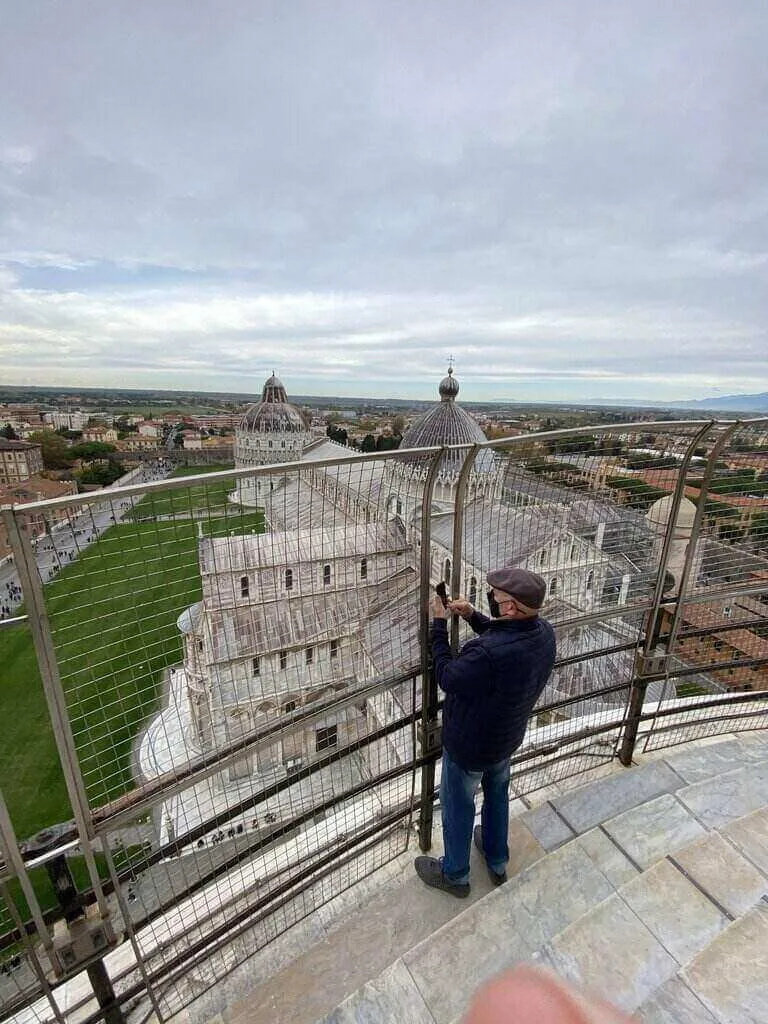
(19, 460)
(151, 428)
(104, 434)
(61, 420)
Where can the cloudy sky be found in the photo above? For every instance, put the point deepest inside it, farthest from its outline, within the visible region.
(569, 197)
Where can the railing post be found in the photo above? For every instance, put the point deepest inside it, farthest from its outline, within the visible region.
(698, 522)
(34, 598)
(457, 552)
(644, 657)
(429, 732)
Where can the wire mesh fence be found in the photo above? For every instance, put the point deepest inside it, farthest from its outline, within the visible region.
(242, 657)
(714, 631)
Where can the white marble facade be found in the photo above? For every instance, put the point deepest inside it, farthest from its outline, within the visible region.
(327, 598)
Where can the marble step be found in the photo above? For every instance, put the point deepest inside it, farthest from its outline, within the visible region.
(591, 913)
(735, 771)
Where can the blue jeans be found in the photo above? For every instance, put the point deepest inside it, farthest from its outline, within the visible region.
(457, 803)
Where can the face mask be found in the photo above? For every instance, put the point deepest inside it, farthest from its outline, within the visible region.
(493, 606)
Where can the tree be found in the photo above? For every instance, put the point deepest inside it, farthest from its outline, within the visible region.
(398, 425)
(9, 433)
(337, 434)
(103, 474)
(92, 450)
(55, 450)
(387, 442)
(368, 444)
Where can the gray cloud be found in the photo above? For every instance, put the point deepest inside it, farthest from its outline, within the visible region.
(567, 196)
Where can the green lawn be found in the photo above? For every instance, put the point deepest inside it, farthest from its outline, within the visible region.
(211, 497)
(113, 615)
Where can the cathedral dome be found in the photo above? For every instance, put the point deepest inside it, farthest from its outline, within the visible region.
(274, 414)
(447, 423)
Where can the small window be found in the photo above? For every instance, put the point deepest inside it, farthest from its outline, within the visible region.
(364, 569)
(543, 557)
(283, 659)
(309, 655)
(553, 586)
(447, 570)
(289, 579)
(326, 575)
(289, 706)
(244, 586)
(255, 667)
(326, 738)
(334, 648)
(200, 646)
(590, 581)
(473, 590)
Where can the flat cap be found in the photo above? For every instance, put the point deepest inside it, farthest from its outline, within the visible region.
(528, 588)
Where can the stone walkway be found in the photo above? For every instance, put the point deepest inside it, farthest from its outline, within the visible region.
(654, 893)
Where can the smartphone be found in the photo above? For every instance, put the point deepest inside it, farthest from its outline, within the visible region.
(442, 593)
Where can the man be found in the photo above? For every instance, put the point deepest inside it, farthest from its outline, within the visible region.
(491, 688)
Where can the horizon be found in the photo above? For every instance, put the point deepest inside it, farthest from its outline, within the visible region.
(298, 396)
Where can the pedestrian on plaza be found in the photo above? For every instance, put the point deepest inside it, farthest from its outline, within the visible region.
(491, 687)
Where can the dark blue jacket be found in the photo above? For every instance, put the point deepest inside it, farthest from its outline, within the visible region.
(491, 686)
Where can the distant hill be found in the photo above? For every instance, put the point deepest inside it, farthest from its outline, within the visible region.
(741, 403)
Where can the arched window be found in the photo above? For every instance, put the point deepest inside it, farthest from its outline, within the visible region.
(399, 507)
(326, 575)
(244, 586)
(553, 586)
(364, 569)
(309, 655)
(572, 554)
(447, 570)
(590, 581)
(543, 557)
(283, 659)
(289, 579)
(334, 650)
(473, 590)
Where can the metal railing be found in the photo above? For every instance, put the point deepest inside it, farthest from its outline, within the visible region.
(234, 702)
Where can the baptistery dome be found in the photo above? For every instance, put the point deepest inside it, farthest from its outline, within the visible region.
(274, 413)
(271, 432)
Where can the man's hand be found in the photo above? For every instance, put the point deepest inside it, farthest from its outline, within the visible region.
(436, 608)
(462, 607)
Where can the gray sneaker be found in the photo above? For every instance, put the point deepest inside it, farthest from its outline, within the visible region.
(430, 871)
(496, 877)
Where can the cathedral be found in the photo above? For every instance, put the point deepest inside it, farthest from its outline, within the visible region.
(326, 600)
